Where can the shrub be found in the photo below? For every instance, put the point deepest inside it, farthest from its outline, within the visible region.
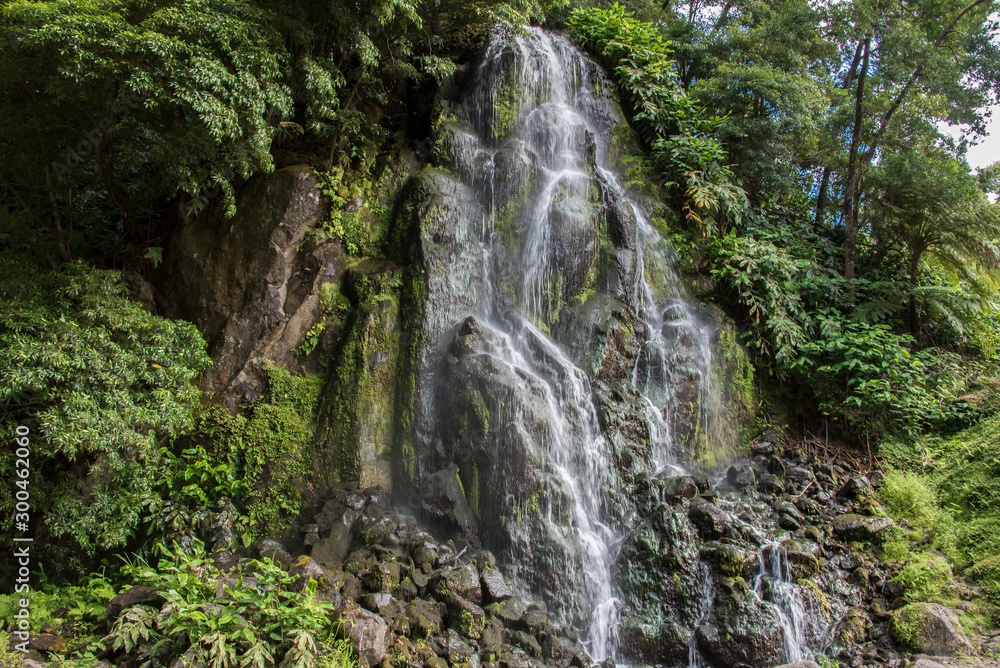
(266, 623)
(265, 448)
(681, 135)
(99, 382)
(924, 576)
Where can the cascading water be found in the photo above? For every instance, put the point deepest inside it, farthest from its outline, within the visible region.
(774, 583)
(529, 89)
(548, 233)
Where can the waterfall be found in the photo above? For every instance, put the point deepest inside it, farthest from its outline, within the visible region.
(774, 582)
(529, 142)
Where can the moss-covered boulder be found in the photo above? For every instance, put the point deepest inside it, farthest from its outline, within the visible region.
(930, 628)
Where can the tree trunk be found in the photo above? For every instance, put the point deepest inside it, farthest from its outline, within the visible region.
(914, 275)
(851, 197)
(821, 198)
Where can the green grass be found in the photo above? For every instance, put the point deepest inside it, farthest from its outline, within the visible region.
(945, 492)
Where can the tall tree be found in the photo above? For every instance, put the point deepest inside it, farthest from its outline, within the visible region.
(935, 207)
(930, 48)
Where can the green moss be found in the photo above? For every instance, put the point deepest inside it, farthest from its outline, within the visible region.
(266, 445)
(473, 497)
(906, 625)
(821, 596)
(506, 107)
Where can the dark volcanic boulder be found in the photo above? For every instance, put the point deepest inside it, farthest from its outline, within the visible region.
(741, 630)
(444, 499)
(712, 522)
(860, 527)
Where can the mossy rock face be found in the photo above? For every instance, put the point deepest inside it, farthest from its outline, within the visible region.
(659, 573)
(852, 628)
(715, 431)
(246, 281)
(491, 426)
(861, 527)
(930, 628)
(358, 413)
(741, 630)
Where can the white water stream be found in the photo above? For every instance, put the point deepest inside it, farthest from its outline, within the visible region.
(533, 106)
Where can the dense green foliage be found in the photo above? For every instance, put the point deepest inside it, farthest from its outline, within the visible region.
(681, 135)
(98, 382)
(262, 450)
(946, 492)
(261, 620)
(799, 144)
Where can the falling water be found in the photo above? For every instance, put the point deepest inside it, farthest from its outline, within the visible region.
(774, 582)
(531, 150)
(526, 106)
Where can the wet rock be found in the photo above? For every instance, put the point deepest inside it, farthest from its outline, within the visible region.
(859, 527)
(384, 577)
(465, 616)
(241, 279)
(510, 613)
(444, 499)
(776, 467)
(771, 484)
(494, 587)
(802, 564)
(931, 628)
(656, 643)
(856, 488)
(788, 508)
(462, 581)
(303, 569)
(800, 664)
(679, 487)
(536, 620)
(800, 474)
(493, 637)
(407, 590)
(741, 476)
(852, 628)
(271, 549)
(927, 663)
(712, 522)
(385, 605)
(47, 642)
(457, 650)
(574, 241)
(733, 561)
(527, 642)
(813, 533)
(425, 617)
(369, 635)
(742, 629)
(137, 595)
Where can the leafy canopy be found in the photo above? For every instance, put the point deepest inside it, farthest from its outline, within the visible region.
(98, 381)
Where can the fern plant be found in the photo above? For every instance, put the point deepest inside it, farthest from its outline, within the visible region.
(266, 623)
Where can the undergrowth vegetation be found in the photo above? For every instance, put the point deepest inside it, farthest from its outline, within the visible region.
(99, 383)
(255, 616)
(260, 619)
(945, 494)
